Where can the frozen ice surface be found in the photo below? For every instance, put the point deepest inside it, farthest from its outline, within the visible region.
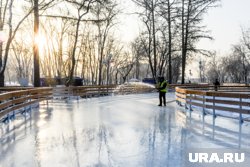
(113, 131)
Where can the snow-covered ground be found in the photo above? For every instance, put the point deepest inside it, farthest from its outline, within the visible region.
(114, 131)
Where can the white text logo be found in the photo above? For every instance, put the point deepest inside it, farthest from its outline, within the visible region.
(215, 158)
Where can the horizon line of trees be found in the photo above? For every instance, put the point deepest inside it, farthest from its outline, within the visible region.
(80, 41)
(172, 30)
(233, 67)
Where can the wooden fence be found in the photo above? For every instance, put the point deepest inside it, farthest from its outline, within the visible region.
(14, 102)
(82, 91)
(101, 90)
(229, 98)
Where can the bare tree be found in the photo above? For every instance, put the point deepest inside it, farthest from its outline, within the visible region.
(86, 8)
(37, 7)
(138, 53)
(148, 16)
(6, 22)
(233, 66)
(83, 8)
(237, 64)
(240, 52)
(191, 31)
(169, 10)
(246, 38)
(214, 69)
(176, 63)
(22, 59)
(125, 66)
(107, 13)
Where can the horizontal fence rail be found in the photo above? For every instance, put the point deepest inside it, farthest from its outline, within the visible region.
(15, 99)
(99, 90)
(82, 91)
(234, 99)
(13, 102)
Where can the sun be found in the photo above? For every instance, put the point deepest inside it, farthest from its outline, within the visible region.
(41, 42)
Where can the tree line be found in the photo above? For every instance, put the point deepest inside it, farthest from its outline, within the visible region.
(233, 67)
(172, 30)
(79, 40)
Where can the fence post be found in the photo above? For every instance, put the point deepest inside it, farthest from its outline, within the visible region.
(203, 113)
(186, 101)
(1, 134)
(13, 112)
(69, 92)
(29, 107)
(76, 93)
(48, 97)
(190, 106)
(240, 122)
(30, 94)
(203, 102)
(214, 115)
(14, 115)
(240, 115)
(7, 119)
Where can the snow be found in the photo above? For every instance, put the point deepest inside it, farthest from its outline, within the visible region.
(12, 84)
(118, 131)
(134, 87)
(138, 84)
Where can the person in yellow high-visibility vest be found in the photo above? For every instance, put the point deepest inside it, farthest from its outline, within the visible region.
(162, 88)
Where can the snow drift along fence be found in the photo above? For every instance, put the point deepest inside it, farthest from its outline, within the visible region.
(15, 102)
(99, 90)
(83, 91)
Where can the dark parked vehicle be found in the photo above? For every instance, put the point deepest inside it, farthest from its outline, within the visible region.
(149, 81)
(77, 81)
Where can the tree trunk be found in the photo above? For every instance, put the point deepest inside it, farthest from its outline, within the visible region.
(1, 64)
(154, 41)
(1, 79)
(35, 47)
(169, 45)
(73, 59)
(137, 69)
(185, 34)
(100, 71)
(182, 44)
(108, 78)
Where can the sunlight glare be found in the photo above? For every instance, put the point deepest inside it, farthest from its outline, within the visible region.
(41, 41)
(2, 37)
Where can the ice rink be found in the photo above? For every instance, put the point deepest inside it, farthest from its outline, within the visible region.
(113, 131)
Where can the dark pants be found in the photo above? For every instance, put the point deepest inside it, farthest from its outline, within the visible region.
(162, 95)
(216, 88)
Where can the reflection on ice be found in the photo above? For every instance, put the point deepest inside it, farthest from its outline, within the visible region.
(118, 131)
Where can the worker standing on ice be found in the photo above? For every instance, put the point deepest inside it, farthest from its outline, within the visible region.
(162, 88)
